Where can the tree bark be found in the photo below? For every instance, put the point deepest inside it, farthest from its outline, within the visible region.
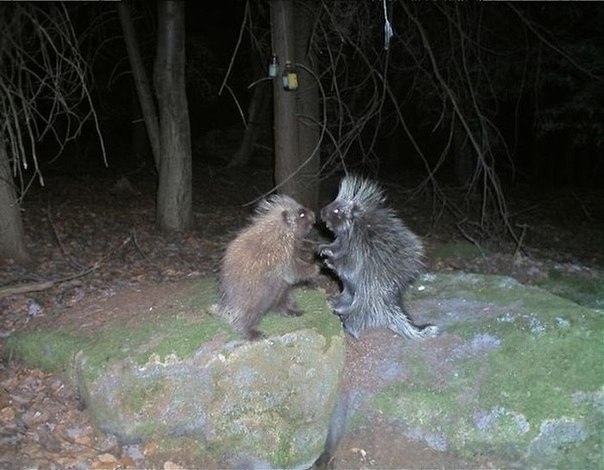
(174, 194)
(296, 113)
(309, 109)
(12, 236)
(286, 129)
(141, 81)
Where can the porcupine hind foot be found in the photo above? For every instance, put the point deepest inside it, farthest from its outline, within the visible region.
(341, 311)
(350, 328)
(244, 325)
(251, 334)
(404, 327)
(341, 304)
(287, 305)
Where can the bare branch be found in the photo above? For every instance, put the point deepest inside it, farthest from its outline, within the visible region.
(45, 85)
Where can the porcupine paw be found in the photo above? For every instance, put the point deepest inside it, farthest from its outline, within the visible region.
(342, 312)
(251, 334)
(339, 307)
(325, 251)
(429, 331)
(326, 257)
(406, 329)
(352, 331)
(292, 312)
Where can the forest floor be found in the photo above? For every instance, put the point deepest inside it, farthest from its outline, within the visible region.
(92, 241)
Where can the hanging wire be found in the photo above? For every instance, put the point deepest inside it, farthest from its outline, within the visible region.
(387, 28)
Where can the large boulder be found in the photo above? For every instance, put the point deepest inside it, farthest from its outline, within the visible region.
(517, 374)
(177, 371)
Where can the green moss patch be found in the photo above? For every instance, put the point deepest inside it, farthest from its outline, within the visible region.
(47, 350)
(587, 291)
(313, 304)
(177, 329)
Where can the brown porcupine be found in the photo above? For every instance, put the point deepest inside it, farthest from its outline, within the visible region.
(263, 263)
(375, 256)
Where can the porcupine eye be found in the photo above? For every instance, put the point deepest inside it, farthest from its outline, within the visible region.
(303, 218)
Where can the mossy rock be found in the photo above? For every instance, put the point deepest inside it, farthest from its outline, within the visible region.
(516, 375)
(178, 371)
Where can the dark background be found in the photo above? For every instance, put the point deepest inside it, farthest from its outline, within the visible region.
(549, 119)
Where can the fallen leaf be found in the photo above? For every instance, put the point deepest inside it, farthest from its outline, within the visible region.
(107, 458)
(172, 466)
(7, 415)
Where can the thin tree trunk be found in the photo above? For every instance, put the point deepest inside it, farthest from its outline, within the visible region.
(256, 111)
(12, 236)
(141, 81)
(139, 140)
(286, 129)
(309, 110)
(174, 194)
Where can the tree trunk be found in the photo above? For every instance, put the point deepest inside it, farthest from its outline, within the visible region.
(309, 109)
(256, 110)
(286, 130)
(12, 236)
(141, 81)
(174, 194)
(296, 112)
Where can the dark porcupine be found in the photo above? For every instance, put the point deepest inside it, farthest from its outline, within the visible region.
(375, 256)
(263, 263)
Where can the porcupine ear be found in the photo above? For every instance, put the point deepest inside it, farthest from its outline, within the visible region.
(285, 215)
(354, 209)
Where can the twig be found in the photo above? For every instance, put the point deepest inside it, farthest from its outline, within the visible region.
(241, 29)
(582, 206)
(39, 286)
(468, 237)
(138, 248)
(533, 27)
(55, 232)
(520, 240)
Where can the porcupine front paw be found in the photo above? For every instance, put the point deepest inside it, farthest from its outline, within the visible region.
(339, 305)
(325, 251)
